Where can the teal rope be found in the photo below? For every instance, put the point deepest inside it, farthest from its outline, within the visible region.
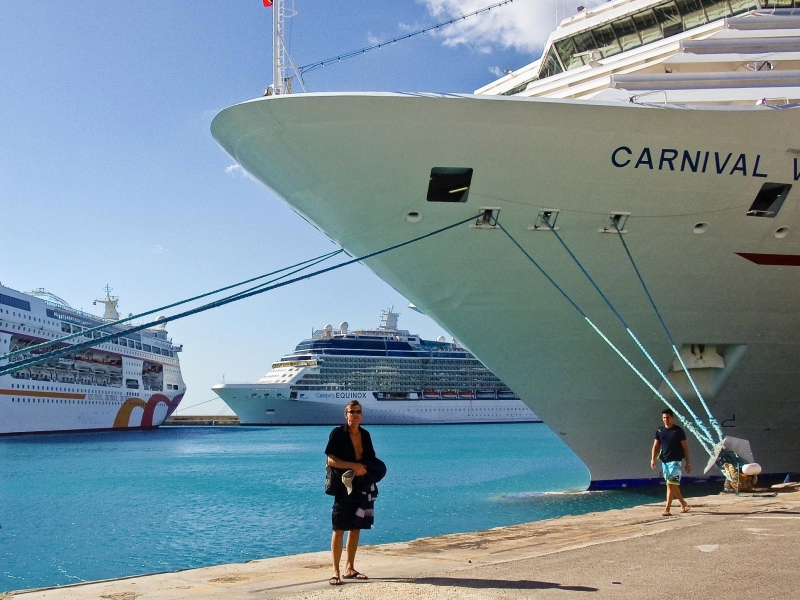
(664, 378)
(104, 326)
(712, 420)
(221, 302)
(704, 442)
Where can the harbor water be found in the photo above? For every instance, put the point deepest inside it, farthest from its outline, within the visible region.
(91, 506)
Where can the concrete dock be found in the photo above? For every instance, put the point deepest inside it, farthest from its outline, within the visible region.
(727, 547)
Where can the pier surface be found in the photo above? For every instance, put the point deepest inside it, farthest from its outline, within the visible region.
(726, 547)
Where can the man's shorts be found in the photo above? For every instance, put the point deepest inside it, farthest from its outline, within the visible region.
(672, 472)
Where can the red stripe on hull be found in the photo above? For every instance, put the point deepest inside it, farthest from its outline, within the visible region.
(782, 260)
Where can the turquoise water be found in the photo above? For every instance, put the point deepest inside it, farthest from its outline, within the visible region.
(100, 505)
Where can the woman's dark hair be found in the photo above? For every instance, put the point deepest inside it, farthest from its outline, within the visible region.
(352, 404)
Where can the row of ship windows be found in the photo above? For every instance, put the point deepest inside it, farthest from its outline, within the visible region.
(120, 341)
(647, 26)
(49, 388)
(473, 410)
(28, 317)
(125, 342)
(66, 328)
(61, 401)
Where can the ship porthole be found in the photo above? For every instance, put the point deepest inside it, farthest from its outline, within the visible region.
(781, 232)
(413, 217)
(700, 227)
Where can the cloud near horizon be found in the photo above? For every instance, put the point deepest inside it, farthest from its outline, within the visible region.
(523, 25)
(235, 169)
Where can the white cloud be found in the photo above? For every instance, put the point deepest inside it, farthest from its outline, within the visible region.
(496, 71)
(523, 25)
(236, 169)
(371, 39)
(158, 249)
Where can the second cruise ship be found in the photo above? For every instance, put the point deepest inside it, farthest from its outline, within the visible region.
(398, 378)
(127, 382)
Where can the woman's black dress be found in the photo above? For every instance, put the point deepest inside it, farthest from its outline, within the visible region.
(340, 446)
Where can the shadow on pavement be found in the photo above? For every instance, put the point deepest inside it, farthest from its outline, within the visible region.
(510, 584)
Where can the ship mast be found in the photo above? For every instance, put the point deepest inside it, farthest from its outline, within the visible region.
(281, 59)
(110, 303)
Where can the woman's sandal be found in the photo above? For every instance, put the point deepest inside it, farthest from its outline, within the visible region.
(335, 580)
(666, 513)
(355, 575)
(686, 509)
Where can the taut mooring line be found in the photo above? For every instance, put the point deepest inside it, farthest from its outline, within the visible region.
(712, 420)
(310, 262)
(704, 441)
(650, 359)
(17, 366)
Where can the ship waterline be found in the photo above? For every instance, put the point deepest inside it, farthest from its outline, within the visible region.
(327, 408)
(397, 377)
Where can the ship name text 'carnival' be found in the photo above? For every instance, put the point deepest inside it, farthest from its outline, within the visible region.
(694, 161)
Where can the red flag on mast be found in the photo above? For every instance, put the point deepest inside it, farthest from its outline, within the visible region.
(267, 3)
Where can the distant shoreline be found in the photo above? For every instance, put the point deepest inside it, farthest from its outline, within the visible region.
(233, 420)
(202, 421)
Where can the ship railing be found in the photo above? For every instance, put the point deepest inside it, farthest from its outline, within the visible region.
(93, 321)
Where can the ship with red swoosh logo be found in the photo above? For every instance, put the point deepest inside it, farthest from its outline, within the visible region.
(131, 382)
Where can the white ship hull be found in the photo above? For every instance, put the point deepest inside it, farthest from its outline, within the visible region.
(327, 408)
(115, 384)
(57, 407)
(356, 164)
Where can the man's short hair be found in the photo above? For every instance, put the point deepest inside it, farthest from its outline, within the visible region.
(352, 404)
(668, 411)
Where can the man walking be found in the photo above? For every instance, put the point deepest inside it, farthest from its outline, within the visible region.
(671, 440)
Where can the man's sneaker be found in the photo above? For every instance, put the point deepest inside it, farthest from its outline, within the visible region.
(347, 480)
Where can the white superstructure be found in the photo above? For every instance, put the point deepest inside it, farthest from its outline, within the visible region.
(398, 378)
(676, 120)
(133, 381)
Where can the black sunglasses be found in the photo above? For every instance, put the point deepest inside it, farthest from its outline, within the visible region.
(354, 412)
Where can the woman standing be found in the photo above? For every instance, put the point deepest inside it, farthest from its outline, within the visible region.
(348, 445)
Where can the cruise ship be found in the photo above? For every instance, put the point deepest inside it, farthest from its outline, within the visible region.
(398, 378)
(131, 382)
(675, 122)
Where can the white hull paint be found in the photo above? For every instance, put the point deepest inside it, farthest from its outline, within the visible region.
(78, 408)
(68, 394)
(327, 408)
(530, 154)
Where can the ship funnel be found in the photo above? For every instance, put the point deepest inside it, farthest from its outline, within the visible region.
(163, 324)
(440, 338)
(328, 330)
(343, 327)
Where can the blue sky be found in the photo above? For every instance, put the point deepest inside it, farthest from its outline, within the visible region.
(108, 172)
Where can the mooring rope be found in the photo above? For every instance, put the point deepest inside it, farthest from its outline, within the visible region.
(19, 365)
(712, 420)
(709, 438)
(705, 442)
(43, 345)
